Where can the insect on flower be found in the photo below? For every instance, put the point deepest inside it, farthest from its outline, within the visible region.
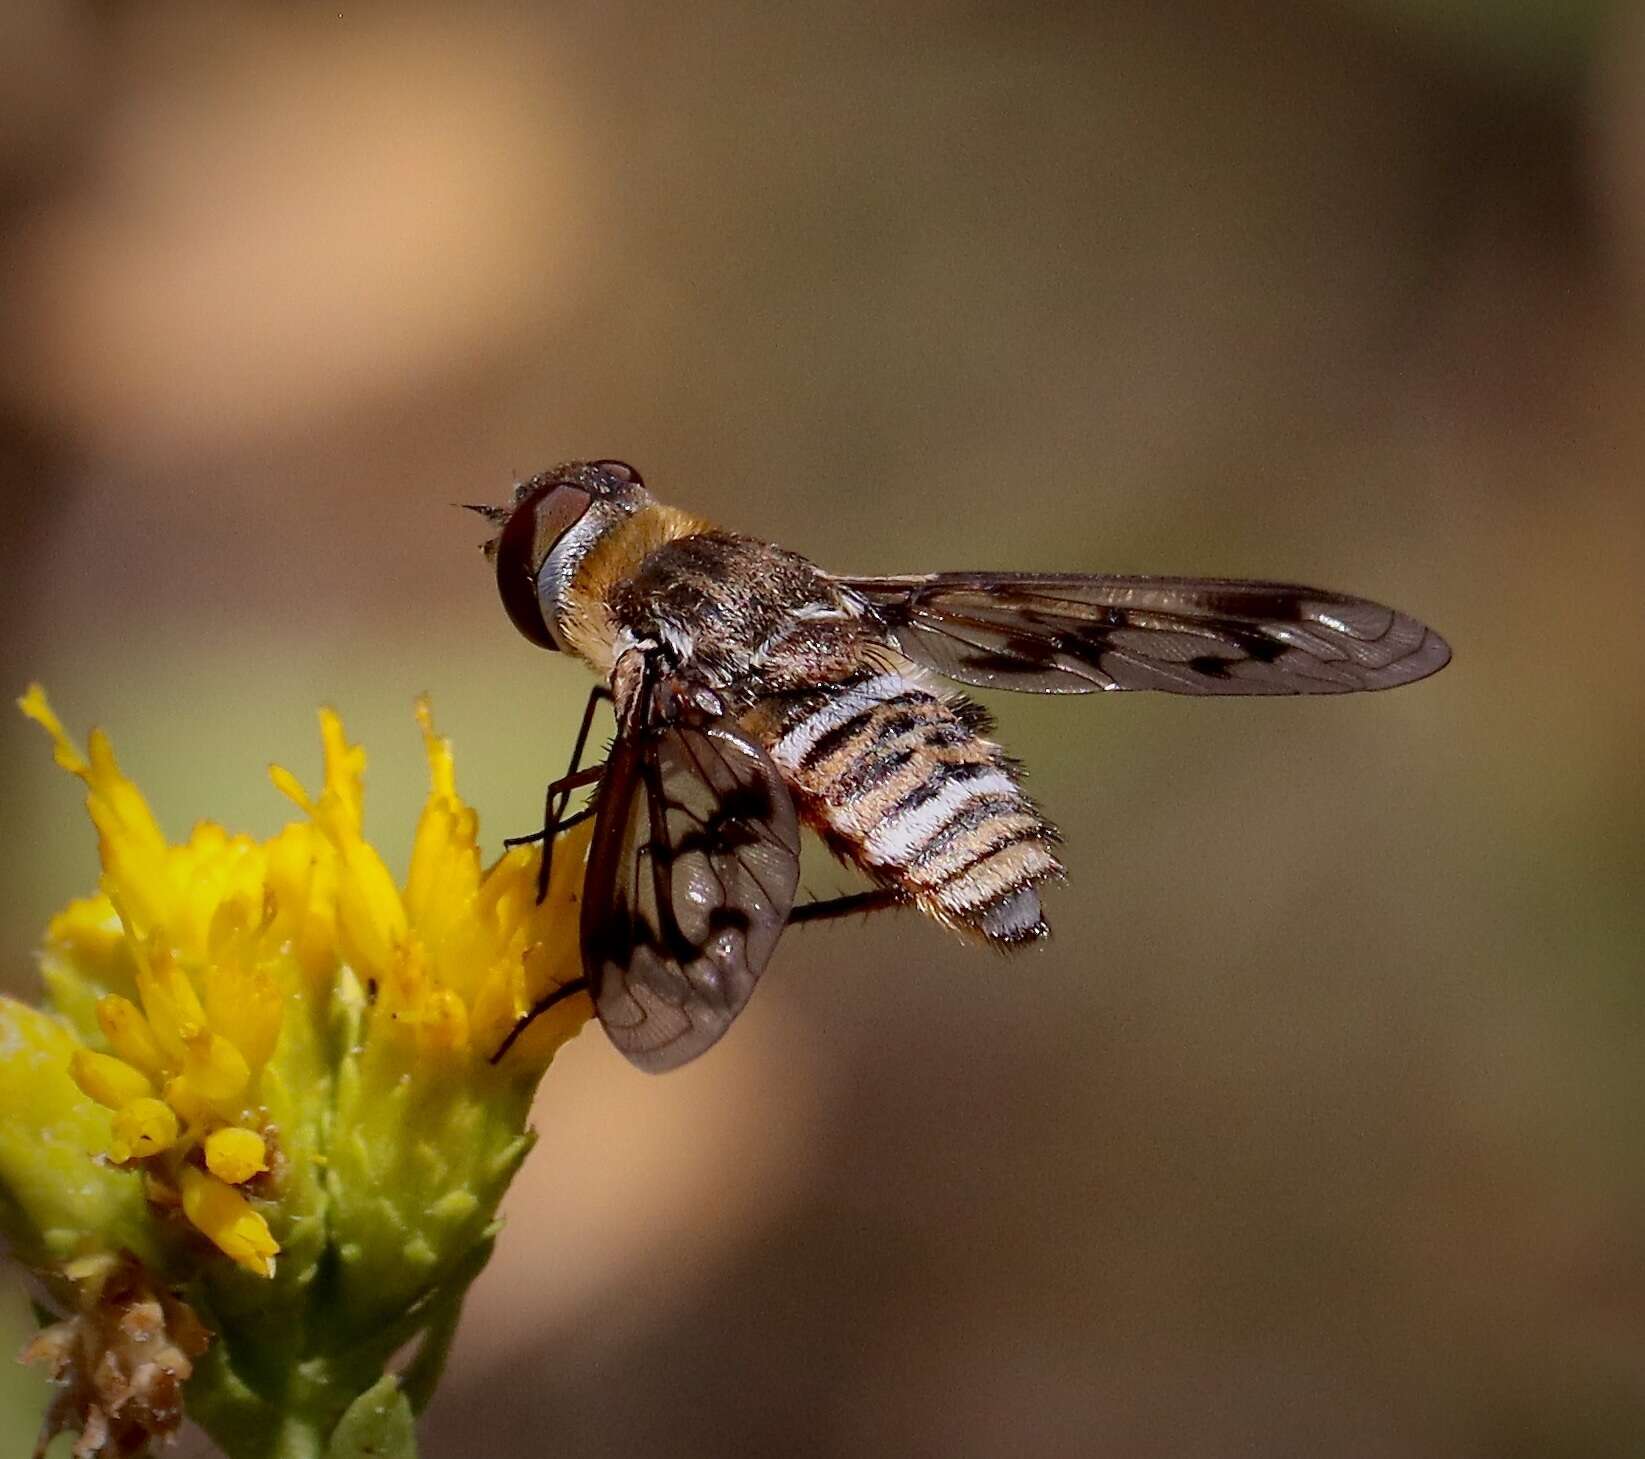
(754, 692)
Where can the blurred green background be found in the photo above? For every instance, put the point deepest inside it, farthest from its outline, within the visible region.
(1317, 1129)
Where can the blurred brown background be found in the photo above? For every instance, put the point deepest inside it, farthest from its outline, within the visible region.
(1317, 1130)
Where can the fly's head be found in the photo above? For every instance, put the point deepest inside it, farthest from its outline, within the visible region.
(553, 522)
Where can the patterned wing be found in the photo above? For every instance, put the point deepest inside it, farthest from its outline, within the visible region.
(1053, 634)
(691, 876)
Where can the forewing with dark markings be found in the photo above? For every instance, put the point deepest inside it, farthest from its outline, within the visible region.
(1053, 634)
(691, 877)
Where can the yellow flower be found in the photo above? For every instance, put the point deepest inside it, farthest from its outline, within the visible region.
(455, 958)
(276, 1047)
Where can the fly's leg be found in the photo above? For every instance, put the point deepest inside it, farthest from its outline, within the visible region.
(555, 819)
(827, 909)
(552, 823)
(541, 1006)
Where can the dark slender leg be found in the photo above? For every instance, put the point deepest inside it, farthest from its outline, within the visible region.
(541, 1006)
(565, 825)
(564, 785)
(570, 781)
(829, 908)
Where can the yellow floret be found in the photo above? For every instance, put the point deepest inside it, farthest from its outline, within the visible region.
(112, 1082)
(129, 1034)
(142, 1128)
(235, 1155)
(227, 1218)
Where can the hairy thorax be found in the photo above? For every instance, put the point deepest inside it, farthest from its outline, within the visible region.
(744, 617)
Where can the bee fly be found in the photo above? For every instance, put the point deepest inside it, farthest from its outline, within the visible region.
(754, 692)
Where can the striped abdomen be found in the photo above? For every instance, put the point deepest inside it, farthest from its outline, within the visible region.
(901, 782)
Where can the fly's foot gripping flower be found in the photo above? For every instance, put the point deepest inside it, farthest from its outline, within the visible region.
(264, 1059)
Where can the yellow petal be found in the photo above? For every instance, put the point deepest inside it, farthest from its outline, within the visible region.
(191, 1106)
(497, 1001)
(445, 869)
(117, 805)
(244, 1005)
(36, 707)
(316, 943)
(302, 883)
(214, 1069)
(129, 1034)
(142, 1128)
(173, 1007)
(235, 1155)
(371, 917)
(444, 1022)
(534, 950)
(131, 844)
(227, 1219)
(339, 808)
(290, 786)
(442, 769)
(112, 1082)
(345, 769)
(87, 931)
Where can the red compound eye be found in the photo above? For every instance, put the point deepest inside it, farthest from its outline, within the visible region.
(532, 531)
